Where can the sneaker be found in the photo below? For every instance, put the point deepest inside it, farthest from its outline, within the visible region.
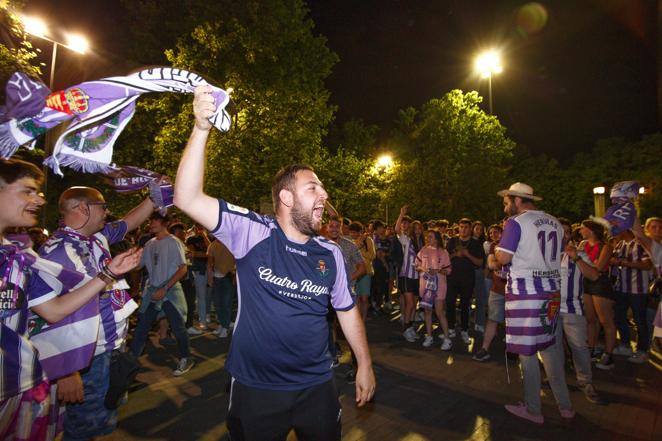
(221, 332)
(567, 414)
(427, 341)
(623, 349)
(591, 394)
(465, 337)
(409, 335)
(184, 365)
(521, 411)
(480, 329)
(606, 362)
(481, 355)
(638, 357)
(447, 344)
(351, 377)
(452, 333)
(596, 354)
(193, 331)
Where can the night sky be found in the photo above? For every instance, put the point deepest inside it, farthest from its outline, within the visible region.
(585, 73)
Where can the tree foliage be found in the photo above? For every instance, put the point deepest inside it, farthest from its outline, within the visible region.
(16, 52)
(453, 158)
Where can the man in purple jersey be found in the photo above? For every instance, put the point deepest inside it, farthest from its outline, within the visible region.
(83, 244)
(531, 243)
(287, 277)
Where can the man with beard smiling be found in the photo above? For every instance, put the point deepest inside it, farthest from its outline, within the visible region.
(279, 359)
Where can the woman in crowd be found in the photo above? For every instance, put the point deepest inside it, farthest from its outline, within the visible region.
(367, 248)
(599, 296)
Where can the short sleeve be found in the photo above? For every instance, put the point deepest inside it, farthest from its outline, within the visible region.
(240, 229)
(115, 231)
(510, 237)
(341, 298)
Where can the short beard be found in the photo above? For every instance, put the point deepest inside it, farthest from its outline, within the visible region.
(303, 222)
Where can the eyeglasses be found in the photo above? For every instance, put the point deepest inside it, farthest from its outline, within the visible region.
(103, 205)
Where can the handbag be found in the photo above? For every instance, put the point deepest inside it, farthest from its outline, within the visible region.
(124, 367)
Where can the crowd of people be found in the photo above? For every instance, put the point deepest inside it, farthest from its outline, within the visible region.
(297, 280)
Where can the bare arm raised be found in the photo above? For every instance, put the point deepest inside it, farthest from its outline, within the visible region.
(189, 195)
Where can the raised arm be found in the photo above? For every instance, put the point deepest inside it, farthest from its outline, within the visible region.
(139, 214)
(189, 195)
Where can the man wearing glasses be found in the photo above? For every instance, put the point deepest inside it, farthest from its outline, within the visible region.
(83, 243)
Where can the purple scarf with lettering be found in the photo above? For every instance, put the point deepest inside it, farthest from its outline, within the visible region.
(622, 213)
(98, 111)
(129, 178)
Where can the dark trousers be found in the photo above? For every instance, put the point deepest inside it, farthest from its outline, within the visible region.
(380, 291)
(462, 286)
(221, 295)
(189, 295)
(638, 303)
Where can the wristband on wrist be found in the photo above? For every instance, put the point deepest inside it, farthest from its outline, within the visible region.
(105, 278)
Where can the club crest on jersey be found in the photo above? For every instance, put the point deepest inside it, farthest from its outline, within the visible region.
(321, 267)
(549, 313)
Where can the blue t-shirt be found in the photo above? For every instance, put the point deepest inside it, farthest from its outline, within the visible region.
(285, 289)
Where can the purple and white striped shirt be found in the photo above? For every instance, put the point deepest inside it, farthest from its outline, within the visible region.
(408, 268)
(572, 285)
(631, 280)
(86, 255)
(20, 290)
(534, 239)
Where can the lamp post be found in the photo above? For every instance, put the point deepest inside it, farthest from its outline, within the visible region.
(383, 164)
(75, 43)
(599, 200)
(487, 64)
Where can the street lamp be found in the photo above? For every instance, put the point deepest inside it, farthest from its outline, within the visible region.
(75, 43)
(38, 28)
(383, 164)
(487, 64)
(599, 200)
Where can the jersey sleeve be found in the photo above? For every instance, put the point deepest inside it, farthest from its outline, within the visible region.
(38, 291)
(510, 237)
(115, 231)
(341, 297)
(240, 229)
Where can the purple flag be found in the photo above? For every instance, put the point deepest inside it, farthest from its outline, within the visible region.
(622, 213)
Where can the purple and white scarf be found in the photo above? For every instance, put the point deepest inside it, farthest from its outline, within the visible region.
(622, 213)
(129, 179)
(98, 111)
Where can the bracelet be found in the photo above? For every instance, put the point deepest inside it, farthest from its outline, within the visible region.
(106, 269)
(105, 278)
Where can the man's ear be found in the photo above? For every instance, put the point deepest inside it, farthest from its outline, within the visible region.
(286, 198)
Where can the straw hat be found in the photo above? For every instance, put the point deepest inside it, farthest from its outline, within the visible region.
(520, 189)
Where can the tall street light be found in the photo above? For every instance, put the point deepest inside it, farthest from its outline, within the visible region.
(599, 200)
(383, 164)
(488, 63)
(75, 43)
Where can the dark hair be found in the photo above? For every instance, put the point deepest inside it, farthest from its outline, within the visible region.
(494, 227)
(437, 235)
(442, 223)
(356, 226)
(164, 218)
(284, 180)
(176, 226)
(565, 221)
(346, 221)
(597, 229)
(378, 224)
(406, 219)
(11, 170)
(338, 219)
(464, 220)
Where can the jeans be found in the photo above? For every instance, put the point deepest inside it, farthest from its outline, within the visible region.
(576, 332)
(638, 303)
(90, 418)
(221, 295)
(480, 293)
(552, 360)
(202, 293)
(145, 321)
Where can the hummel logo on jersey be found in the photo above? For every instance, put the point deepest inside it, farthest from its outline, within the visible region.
(295, 251)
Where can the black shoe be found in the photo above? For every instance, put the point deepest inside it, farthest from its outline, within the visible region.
(481, 355)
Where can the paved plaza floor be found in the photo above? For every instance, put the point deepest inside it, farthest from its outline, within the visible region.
(422, 394)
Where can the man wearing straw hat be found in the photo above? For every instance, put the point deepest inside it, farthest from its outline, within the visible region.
(531, 244)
